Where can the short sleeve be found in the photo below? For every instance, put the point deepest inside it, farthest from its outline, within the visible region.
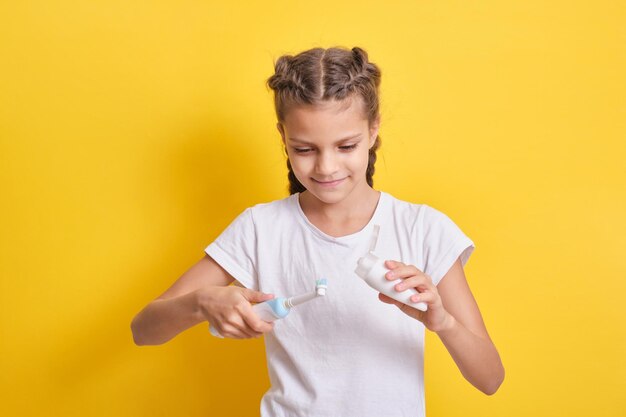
(443, 243)
(235, 250)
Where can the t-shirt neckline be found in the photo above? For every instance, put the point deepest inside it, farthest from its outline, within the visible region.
(382, 199)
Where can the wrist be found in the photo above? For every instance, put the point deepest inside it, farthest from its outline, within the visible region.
(449, 325)
(197, 302)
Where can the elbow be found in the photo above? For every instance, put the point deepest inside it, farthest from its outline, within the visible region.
(140, 338)
(491, 390)
(494, 384)
(136, 334)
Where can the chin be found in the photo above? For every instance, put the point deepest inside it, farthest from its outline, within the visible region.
(330, 195)
(329, 198)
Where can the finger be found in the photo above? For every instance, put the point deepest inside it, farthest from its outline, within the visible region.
(385, 299)
(245, 332)
(427, 297)
(419, 282)
(245, 328)
(238, 328)
(391, 264)
(252, 320)
(401, 271)
(404, 271)
(406, 308)
(228, 331)
(255, 324)
(256, 296)
(249, 333)
(222, 327)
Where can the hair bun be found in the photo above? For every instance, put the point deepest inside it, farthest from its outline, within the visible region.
(282, 64)
(280, 79)
(360, 57)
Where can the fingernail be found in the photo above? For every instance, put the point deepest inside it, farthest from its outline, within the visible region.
(390, 275)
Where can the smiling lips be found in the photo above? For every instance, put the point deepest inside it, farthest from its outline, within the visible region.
(328, 183)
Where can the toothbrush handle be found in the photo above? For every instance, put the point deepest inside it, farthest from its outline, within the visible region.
(265, 311)
(214, 332)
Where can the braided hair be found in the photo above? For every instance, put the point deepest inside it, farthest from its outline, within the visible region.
(319, 74)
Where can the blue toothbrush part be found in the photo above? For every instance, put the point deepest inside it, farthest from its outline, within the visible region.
(279, 307)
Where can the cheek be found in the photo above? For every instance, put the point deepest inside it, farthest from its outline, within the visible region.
(298, 164)
(361, 160)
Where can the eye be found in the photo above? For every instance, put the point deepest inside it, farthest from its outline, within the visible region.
(302, 150)
(347, 147)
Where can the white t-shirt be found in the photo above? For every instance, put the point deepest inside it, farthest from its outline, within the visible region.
(346, 353)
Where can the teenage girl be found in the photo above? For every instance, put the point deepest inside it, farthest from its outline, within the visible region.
(349, 353)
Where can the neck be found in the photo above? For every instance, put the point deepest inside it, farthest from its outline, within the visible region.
(360, 203)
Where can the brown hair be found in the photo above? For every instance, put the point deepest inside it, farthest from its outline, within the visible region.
(319, 74)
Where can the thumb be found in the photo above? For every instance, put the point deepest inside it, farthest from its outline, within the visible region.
(256, 296)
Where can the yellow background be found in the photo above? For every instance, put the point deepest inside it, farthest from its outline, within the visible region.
(133, 132)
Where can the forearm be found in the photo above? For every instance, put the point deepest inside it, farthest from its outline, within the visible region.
(161, 320)
(476, 357)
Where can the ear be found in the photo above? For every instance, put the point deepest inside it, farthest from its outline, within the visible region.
(374, 131)
(281, 130)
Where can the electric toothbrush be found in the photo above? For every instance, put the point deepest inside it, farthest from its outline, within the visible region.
(278, 308)
(372, 270)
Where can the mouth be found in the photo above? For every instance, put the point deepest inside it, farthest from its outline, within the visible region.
(328, 183)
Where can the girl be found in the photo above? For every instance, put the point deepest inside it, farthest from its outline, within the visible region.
(348, 353)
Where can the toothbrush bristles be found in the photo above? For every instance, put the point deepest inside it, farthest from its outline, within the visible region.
(320, 286)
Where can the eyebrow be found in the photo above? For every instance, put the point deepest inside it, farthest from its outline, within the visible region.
(339, 141)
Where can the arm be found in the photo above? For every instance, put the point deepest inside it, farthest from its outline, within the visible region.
(465, 335)
(161, 320)
(177, 309)
(453, 314)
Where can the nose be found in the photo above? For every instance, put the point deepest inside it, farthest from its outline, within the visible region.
(326, 164)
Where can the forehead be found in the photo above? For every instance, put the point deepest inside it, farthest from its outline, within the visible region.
(328, 116)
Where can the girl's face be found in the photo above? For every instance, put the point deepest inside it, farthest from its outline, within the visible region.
(328, 147)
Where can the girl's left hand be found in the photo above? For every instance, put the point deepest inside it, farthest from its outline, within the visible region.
(436, 317)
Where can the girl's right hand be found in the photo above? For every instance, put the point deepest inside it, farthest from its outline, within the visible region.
(229, 310)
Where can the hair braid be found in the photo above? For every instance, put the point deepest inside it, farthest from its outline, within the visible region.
(317, 75)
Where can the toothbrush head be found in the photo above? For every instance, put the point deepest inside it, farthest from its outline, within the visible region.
(320, 286)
